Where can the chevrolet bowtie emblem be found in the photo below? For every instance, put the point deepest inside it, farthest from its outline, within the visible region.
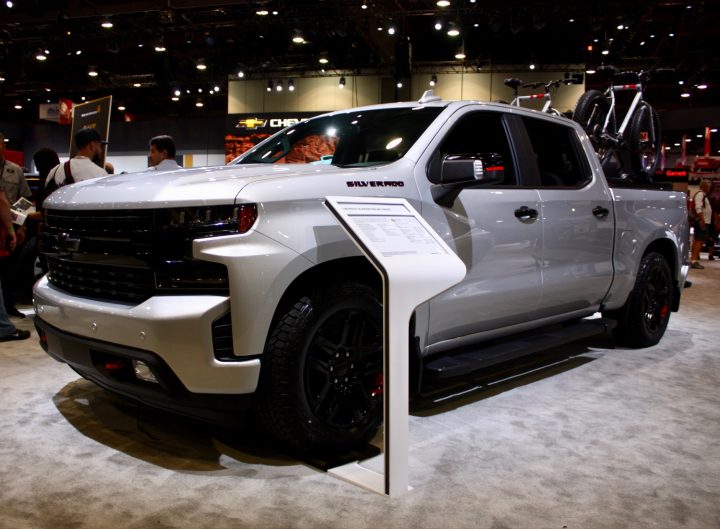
(250, 123)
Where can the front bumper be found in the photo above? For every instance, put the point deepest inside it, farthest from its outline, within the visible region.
(175, 330)
(110, 366)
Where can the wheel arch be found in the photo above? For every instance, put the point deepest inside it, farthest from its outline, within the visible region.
(356, 268)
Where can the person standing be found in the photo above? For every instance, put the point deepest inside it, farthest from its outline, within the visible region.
(13, 176)
(701, 225)
(84, 165)
(13, 180)
(8, 331)
(162, 154)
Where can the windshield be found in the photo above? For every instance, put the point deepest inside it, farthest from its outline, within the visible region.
(352, 139)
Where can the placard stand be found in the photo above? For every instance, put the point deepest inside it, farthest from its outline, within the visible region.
(415, 265)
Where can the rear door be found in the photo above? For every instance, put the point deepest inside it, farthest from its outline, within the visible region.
(578, 224)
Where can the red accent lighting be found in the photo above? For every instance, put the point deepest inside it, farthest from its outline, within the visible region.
(246, 217)
(115, 366)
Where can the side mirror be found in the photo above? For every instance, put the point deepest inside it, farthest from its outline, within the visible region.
(472, 169)
(458, 171)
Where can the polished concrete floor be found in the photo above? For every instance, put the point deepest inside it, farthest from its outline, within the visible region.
(589, 436)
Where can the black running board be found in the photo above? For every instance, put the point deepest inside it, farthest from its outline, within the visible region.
(466, 361)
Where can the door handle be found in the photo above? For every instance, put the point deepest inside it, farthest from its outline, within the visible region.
(525, 213)
(600, 212)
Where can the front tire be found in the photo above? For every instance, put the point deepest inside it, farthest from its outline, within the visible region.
(644, 140)
(321, 384)
(644, 317)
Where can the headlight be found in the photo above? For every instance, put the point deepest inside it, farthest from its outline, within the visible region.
(209, 221)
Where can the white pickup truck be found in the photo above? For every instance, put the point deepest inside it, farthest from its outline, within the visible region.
(216, 291)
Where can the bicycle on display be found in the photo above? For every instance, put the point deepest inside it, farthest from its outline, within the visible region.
(515, 84)
(636, 142)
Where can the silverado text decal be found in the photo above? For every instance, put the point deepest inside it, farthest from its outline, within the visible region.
(375, 183)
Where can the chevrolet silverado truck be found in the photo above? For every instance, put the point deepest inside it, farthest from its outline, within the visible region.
(225, 292)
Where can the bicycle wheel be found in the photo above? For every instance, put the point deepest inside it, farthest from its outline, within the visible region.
(590, 112)
(644, 140)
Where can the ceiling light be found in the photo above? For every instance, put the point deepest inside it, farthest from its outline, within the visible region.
(438, 25)
(78, 52)
(40, 56)
(279, 86)
(298, 38)
(590, 71)
(137, 85)
(175, 98)
(241, 74)
(217, 88)
(92, 72)
(391, 30)
(433, 80)
(571, 20)
(160, 48)
(606, 52)
(177, 92)
(341, 83)
(399, 84)
(121, 107)
(642, 43)
(364, 5)
(199, 104)
(443, 3)
(713, 130)
(685, 94)
(9, 4)
(532, 65)
(201, 66)
(262, 12)
(681, 82)
(453, 30)
(702, 86)
(269, 86)
(83, 98)
(671, 34)
(18, 106)
(460, 54)
(323, 60)
(621, 27)
(106, 23)
(291, 85)
(379, 24)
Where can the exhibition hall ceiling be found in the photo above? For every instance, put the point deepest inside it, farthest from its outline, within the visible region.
(48, 48)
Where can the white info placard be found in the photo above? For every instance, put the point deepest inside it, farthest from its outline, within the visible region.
(415, 264)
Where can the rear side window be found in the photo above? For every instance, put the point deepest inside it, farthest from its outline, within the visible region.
(557, 154)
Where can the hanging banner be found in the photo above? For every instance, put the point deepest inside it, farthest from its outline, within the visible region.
(65, 114)
(683, 150)
(706, 150)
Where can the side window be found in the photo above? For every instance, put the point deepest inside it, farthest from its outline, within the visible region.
(476, 133)
(557, 153)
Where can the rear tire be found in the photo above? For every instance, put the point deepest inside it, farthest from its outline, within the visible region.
(644, 140)
(320, 386)
(644, 317)
(590, 112)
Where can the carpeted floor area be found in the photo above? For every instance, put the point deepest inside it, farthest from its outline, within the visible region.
(589, 437)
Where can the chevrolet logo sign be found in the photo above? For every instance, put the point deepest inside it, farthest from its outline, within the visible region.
(250, 123)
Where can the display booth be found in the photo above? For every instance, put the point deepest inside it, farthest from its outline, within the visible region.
(415, 265)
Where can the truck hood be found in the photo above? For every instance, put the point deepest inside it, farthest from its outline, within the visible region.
(152, 189)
